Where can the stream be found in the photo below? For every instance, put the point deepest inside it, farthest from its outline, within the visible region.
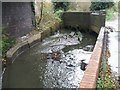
(53, 63)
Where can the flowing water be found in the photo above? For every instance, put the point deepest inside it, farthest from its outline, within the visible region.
(53, 63)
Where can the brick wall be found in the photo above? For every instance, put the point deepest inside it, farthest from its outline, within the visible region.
(90, 76)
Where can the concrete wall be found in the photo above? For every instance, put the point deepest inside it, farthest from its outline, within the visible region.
(84, 20)
(29, 42)
(76, 19)
(97, 20)
(17, 18)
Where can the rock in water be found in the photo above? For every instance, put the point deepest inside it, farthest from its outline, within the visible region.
(70, 65)
(79, 39)
(83, 65)
(56, 55)
(71, 34)
(79, 35)
(88, 48)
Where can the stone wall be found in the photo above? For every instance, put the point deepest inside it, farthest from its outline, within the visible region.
(17, 18)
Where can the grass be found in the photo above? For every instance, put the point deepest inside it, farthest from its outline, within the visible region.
(110, 14)
(105, 79)
(7, 43)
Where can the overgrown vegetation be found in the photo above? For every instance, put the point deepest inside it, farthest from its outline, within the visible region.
(110, 14)
(105, 79)
(60, 6)
(59, 13)
(98, 5)
(107, 5)
(47, 18)
(7, 42)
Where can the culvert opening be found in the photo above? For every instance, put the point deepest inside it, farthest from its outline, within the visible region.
(57, 61)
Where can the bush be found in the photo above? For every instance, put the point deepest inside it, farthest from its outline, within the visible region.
(110, 14)
(60, 5)
(7, 43)
(98, 5)
(59, 13)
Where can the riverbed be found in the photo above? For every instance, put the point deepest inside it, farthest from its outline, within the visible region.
(53, 63)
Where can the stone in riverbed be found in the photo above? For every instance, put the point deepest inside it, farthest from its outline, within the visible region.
(72, 34)
(83, 65)
(88, 48)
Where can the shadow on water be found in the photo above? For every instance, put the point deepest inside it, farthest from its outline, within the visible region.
(54, 62)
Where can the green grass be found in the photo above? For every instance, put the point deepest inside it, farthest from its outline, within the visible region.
(110, 14)
(105, 78)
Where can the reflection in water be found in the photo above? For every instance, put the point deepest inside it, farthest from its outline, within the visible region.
(55, 62)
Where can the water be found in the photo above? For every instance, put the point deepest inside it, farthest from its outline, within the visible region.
(38, 67)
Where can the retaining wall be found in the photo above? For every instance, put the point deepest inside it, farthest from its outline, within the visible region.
(91, 74)
(29, 42)
(76, 19)
(84, 20)
(17, 18)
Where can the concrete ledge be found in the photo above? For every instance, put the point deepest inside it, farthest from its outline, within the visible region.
(19, 46)
(29, 42)
(90, 76)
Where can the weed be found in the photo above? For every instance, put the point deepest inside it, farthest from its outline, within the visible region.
(110, 14)
(7, 42)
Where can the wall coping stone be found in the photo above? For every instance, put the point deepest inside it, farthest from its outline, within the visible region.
(29, 40)
(90, 76)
